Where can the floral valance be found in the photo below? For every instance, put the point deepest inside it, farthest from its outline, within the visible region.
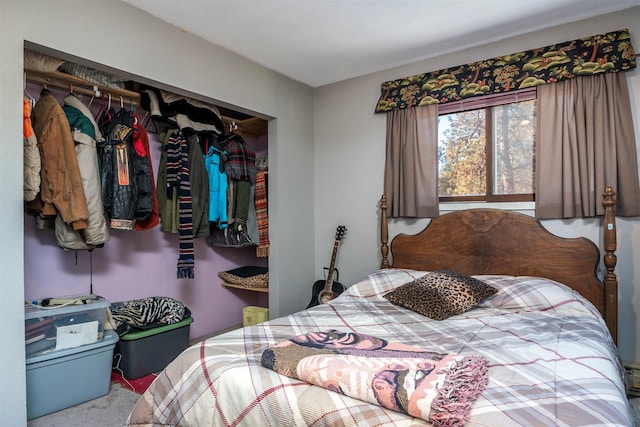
(610, 52)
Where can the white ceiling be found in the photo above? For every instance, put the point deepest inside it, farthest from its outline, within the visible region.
(318, 42)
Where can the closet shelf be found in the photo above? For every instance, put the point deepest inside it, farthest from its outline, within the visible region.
(251, 127)
(74, 84)
(245, 288)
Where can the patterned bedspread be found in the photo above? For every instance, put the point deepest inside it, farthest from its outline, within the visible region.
(551, 362)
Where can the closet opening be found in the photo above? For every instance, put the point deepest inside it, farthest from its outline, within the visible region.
(136, 263)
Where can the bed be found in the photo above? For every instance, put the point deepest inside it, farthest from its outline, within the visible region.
(540, 350)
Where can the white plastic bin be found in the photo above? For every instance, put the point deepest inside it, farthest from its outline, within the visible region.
(57, 327)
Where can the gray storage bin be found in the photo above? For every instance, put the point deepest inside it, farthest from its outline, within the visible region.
(64, 378)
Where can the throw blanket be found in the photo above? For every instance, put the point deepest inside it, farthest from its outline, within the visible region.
(436, 387)
(147, 313)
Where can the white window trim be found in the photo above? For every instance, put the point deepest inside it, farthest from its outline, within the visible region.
(510, 206)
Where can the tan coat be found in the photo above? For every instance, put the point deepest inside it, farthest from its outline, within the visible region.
(32, 162)
(97, 232)
(61, 190)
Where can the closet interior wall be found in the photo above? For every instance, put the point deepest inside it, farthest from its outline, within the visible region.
(138, 264)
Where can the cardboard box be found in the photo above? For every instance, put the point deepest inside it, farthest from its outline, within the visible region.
(71, 322)
(252, 315)
(144, 352)
(64, 378)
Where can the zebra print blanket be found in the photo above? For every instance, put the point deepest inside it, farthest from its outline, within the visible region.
(146, 313)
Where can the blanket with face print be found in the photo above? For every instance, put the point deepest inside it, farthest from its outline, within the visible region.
(436, 387)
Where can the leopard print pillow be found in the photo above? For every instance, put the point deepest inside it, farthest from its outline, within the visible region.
(441, 294)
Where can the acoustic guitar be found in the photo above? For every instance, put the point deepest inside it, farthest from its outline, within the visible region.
(326, 290)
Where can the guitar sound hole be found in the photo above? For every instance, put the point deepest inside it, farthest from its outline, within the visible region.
(326, 297)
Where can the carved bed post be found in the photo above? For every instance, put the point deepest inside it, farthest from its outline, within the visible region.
(610, 261)
(384, 233)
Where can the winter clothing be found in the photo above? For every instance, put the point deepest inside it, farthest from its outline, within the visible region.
(240, 163)
(126, 173)
(199, 182)
(239, 201)
(217, 188)
(178, 180)
(32, 162)
(85, 133)
(240, 168)
(189, 115)
(61, 189)
(141, 139)
(119, 185)
(143, 173)
(262, 214)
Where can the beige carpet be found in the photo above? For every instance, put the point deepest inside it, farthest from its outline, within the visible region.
(635, 409)
(110, 410)
(113, 409)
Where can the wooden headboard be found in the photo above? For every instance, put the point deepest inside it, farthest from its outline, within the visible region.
(493, 241)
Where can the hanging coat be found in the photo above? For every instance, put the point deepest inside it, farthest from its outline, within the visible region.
(125, 169)
(240, 166)
(199, 182)
(61, 190)
(31, 154)
(85, 134)
(143, 172)
(119, 185)
(217, 188)
(141, 139)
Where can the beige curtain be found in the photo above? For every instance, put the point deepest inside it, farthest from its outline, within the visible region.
(585, 142)
(411, 168)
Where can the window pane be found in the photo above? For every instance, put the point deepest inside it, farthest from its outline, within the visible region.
(461, 154)
(513, 148)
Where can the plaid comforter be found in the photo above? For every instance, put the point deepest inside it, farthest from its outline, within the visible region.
(551, 362)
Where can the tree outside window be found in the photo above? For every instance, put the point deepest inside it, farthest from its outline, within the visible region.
(487, 153)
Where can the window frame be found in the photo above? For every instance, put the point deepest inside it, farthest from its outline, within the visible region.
(485, 102)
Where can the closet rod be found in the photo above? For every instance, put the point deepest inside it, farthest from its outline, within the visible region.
(62, 80)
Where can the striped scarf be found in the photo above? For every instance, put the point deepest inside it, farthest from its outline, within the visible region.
(262, 215)
(178, 177)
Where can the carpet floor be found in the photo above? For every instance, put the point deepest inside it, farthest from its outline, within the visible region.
(113, 409)
(635, 409)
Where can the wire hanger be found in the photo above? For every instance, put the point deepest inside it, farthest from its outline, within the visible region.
(32, 100)
(101, 109)
(96, 93)
(148, 119)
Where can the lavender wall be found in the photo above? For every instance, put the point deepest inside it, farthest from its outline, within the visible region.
(137, 264)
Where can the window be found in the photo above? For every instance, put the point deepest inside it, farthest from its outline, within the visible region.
(487, 153)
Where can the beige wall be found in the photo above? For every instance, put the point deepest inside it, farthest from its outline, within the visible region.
(349, 154)
(114, 34)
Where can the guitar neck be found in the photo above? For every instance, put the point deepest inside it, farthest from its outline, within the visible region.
(329, 281)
